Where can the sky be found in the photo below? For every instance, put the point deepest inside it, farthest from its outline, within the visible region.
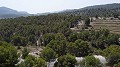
(42, 6)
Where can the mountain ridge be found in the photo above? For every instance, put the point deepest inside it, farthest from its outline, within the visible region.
(99, 10)
(6, 12)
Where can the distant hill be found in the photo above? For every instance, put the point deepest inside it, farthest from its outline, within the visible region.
(10, 13)
(106, 10)
(99, 10)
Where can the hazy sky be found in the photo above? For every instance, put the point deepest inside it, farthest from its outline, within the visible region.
(41, 6)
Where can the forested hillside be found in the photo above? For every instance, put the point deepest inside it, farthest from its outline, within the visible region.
(59, 44)
(30, 28)
(57, 41)
(97, 10)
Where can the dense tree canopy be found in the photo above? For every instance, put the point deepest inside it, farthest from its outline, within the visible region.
(87, 21)
(112, 54)
(90, 61)
(58, 46)
(83, 48)
(107, 10)
(20, 31)
(48, 54)
(8, 55)
(31, 61)
(66, 61)
(53, 33)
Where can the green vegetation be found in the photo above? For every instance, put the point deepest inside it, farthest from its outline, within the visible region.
(25, 52)
(31, 61)
(117, 65)
(57, 41)
(90, 61)
(48, 54)
(66, 61)
(8, 55)
(113, 54)
(107, 10)
(87, 21)
(25, 30)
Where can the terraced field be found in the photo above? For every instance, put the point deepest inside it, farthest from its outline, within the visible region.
(112, 25)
